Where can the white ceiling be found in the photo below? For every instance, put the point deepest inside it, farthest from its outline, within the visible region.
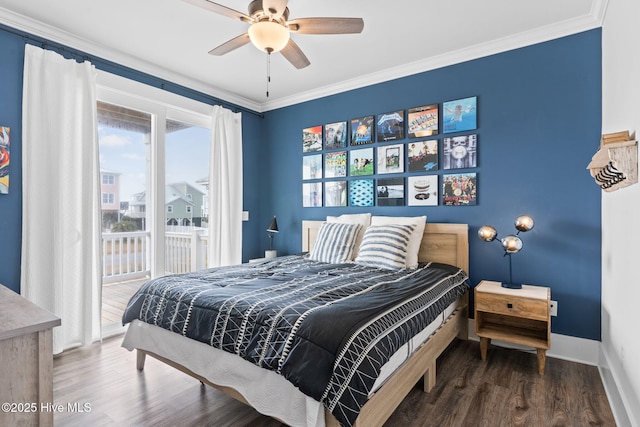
(171, 38)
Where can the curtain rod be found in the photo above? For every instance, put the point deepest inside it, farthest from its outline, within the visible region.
(105, 65)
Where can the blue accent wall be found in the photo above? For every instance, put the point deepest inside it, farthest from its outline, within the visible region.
(539, 123)
(12, 53)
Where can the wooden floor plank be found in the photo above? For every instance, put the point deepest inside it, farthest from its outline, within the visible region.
(506, 390)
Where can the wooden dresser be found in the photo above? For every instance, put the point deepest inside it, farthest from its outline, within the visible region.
(26, 361)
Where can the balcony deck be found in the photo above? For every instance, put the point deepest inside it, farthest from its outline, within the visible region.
(115, 297)
(125, 263)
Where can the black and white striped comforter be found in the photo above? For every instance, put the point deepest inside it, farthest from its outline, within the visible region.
(327, 328)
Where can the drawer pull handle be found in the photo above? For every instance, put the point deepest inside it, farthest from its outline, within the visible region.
(509, 305)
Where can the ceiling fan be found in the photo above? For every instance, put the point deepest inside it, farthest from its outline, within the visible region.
(270, 28)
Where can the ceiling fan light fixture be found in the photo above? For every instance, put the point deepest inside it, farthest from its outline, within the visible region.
(269, 36)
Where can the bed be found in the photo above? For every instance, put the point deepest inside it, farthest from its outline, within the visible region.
(267, 390)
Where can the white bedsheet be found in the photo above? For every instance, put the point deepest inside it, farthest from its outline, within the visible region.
(266, 391)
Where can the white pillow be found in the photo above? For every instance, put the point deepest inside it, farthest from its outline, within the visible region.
(335, 243)
(386, 246)
(362, 219)
(416, 236)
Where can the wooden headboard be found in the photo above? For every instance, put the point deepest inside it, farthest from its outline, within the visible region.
(445, 243)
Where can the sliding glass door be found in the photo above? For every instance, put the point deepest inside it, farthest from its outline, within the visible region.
(154, 166)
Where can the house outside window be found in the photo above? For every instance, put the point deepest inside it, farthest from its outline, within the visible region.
(108, 179)
(108, 198)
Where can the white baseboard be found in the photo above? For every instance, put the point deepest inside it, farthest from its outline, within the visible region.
(585, 351)
(619, 400)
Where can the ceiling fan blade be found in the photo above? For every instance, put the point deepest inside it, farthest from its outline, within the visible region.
(274, 7)
(326, 25)
(230, 45)
(220, 9)
(293, 54)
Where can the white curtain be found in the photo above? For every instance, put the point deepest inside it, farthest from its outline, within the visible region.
(60, 195)
(225, 189)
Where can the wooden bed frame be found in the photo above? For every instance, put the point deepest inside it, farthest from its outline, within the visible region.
(446, 243)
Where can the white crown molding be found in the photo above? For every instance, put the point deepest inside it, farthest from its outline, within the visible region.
(539, 35)
(572, 26)
(48, 32)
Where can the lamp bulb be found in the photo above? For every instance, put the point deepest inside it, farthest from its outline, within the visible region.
(487, 233)
(524, 223)
(511, 244)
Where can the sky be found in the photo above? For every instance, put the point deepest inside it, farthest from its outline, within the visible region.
(123, 151)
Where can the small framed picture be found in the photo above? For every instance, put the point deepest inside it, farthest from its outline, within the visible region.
(390, 126)
(422, 190)
(459, 189)
(459, 115)
(361, 162)
(335, 193)
(312, 166)
(335, 164)
(391, 159)
(312, 139)
(312, 195)
(422, 156)
(390, 191)
(362, 131)
(423, 121)
(335, 135)
(460, 152)
(361, 192)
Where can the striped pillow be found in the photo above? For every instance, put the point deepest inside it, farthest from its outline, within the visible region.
(385, 246)
(335, 243)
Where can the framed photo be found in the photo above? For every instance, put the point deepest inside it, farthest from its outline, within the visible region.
(361, 162)
(459, 115)
(4, 159)
(335, 193)
(460, 152)
(361, 192)
(423, 121)
(391, 159)
(312, 166)
(422, 190)
(390, 192)
(335, 135)
(390, 126)
(312, 139)
(335, 164)
(362, 131)
(459, 189)
(312, 195)
(422, 156)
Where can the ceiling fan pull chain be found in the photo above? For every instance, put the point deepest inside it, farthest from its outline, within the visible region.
(268, 70)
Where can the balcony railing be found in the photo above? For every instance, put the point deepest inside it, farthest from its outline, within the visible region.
(126, 256)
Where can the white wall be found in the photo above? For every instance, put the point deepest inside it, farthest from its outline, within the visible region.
(621, 209)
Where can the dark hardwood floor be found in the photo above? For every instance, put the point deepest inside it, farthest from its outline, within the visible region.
(506, 390)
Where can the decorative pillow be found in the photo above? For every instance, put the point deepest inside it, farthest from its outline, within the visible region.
(386, 246)
(364, 219)
(416, 237)
(335, 243)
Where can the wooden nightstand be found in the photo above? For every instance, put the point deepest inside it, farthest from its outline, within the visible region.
(520, 316)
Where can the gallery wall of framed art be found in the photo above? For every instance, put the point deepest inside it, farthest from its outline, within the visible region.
(421, 156)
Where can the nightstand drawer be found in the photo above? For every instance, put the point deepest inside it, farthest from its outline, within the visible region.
(513, 306)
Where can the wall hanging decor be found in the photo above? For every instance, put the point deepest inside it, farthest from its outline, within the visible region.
(4, 160)
(615, 164)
